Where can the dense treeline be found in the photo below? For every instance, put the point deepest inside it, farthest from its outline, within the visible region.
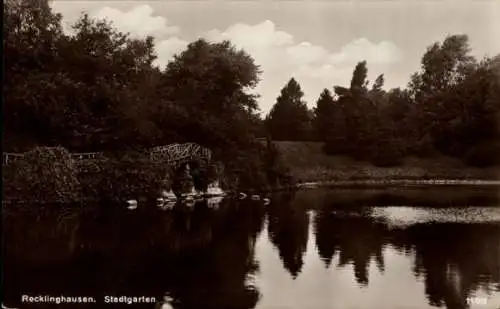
(97, 89)
(450, 107)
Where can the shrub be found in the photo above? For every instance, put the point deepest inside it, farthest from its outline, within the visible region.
(386, 154)
(44, 175)
(119, 178)
(484, 154)
(258, 167)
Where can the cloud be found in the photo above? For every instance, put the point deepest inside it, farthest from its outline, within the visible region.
(166, 49)
(306, 52)
(314, 66)
(362, 49)
(139, 21)
(253, 37)
(278, 53)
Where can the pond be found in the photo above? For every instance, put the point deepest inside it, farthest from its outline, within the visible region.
(314, 249)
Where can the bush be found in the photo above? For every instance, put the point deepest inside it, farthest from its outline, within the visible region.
(386, 154)
(118, 178)
(44, 175)
(257, 168)
(50, 175)
(484, 154)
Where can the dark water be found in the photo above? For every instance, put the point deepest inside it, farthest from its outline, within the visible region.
(317, 249)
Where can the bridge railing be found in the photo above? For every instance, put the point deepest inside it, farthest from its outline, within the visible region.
(171, 154)
(9, 157)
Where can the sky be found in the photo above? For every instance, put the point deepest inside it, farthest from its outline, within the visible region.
(316, 42)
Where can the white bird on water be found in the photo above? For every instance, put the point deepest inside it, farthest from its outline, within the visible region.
(266, 201)
(168, 195)
(132, 204)
(255, 197)
(242, 196)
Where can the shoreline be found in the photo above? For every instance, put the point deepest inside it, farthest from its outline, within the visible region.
(367, 183)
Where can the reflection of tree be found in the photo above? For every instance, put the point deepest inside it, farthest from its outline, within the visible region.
(326, 240)
(454, 259)
(217, 277)
(34, 240)
(355, 237)
(201, 257)
(288, 230)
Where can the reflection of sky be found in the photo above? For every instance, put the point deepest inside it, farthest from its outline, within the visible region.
(317, 288)
(404, 216)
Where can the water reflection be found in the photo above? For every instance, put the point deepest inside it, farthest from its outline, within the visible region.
(354, 237)
(288, 231)
(321, 249)
(188, 254)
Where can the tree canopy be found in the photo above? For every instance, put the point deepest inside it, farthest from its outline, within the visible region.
(98, 89)
(289, 118)
(450, 106)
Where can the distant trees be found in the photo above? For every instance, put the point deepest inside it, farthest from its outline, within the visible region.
(98, 90)
(289, 118)
(451, 106)
(323, 115)
(456, 103)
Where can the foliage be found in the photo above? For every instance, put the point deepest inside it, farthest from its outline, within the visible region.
(451, 107)
(323, 113)
(456, 98)
(258, 168)
(81, 90)
(289, 119)
(484, 154)
(116, 179)
(50, 175)
(42, 175)
(355, 119)
(209, 84)
(97, 89)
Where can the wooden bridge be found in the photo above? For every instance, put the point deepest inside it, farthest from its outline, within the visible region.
(173, 155)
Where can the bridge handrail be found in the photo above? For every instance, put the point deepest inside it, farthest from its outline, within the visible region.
(170, 153)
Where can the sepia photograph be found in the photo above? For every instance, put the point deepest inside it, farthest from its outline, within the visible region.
(251, 154)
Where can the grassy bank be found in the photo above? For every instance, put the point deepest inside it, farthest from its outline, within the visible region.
(308, 163)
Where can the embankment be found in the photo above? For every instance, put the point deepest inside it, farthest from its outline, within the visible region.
(310, 167)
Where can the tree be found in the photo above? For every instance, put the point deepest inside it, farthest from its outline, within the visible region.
(379, 83)
(323, 114)
(32, 33)
(112, 74)
(85, 91)
(206, 88)
(443, 65)
(352, 135)
(471, 131)
(452, 92)
(210, 83)
(359, 80)
(289, 118)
